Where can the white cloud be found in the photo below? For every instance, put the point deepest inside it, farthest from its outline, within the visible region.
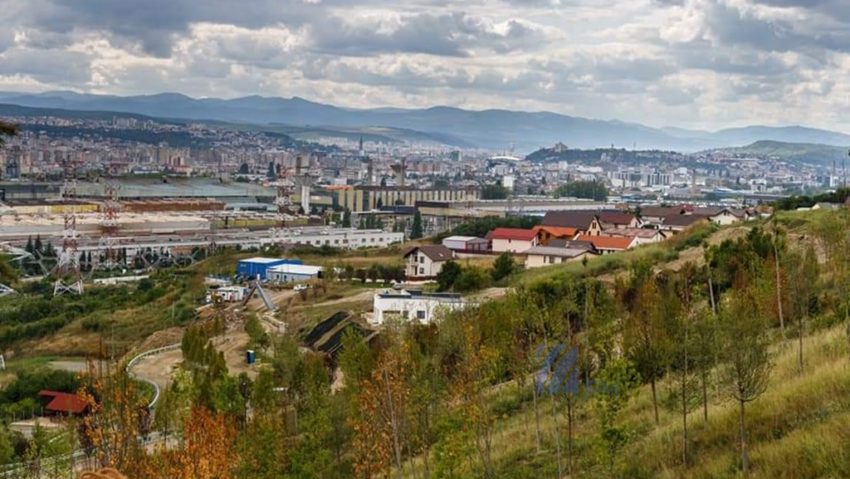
(697, 63)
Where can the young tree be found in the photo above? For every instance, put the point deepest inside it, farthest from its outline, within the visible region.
(416, 230)
(503, 267)
(611, 393)
(645, 336)
(747, 359)
(471, 278)
(448, 275)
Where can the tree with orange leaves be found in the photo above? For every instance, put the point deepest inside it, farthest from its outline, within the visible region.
(380, 427)
(207, 450)
(117, 416)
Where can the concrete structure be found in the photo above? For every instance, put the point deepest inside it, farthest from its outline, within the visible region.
(365, 198)
(424, 262)
(468, 244)
(345, 238)
(293, 273)
(540, 256)
(22, 226)
(512, 240)
(410, 306)
(253, 268)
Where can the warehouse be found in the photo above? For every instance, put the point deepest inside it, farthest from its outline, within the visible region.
(293, 273)
(258, 268)
(467, 244)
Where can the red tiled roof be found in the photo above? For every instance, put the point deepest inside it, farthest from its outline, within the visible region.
(608, 242)
(64, 402)
(512, 234)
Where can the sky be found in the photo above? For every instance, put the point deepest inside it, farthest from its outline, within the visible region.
(682, 63)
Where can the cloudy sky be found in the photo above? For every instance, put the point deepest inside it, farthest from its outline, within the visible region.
(688, 63)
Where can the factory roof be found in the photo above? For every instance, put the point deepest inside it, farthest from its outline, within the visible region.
(261, 260)
(296, 269)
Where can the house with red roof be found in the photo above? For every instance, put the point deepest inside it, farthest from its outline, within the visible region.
(512, 240)
(62, 404)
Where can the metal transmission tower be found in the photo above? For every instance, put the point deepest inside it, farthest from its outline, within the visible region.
(109, 228)
(69, 278)
(283, 200)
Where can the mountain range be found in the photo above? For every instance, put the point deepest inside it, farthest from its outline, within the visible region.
(493, 129)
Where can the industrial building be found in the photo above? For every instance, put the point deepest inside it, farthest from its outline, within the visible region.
(258, 268)
(293, 273)
(346, 238)
(366, 198)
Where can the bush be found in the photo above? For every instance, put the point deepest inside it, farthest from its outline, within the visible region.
(472, 278)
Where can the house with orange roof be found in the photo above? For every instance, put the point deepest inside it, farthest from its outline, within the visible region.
(610, 244)
(546, 234)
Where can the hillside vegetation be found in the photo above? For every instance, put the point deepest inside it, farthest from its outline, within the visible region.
(721, 353)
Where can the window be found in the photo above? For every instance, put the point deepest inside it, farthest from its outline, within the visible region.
(420, 315)
(422, 259)
(422, 271)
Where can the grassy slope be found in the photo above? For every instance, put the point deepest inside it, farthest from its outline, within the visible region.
(799, 428)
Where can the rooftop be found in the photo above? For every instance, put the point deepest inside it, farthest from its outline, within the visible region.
(609, 242)
(555, 251)
(512, 234)
(435, 252)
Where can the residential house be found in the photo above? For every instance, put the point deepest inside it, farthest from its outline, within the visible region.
(654, 215)
(413, 306)
(512, 240)
(545, 234)
(610, 244)
(574, 244)
(641, 235)
(721, 215)
(540, 256)
(585, 222)
(426, 261)
(677, 223)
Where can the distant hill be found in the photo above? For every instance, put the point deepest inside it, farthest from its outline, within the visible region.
(493, 129)
(817, 154)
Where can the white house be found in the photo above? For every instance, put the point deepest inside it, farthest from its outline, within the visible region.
(291, 273)
(512, 240)
(426, 261)
(540, 256)
(409, 306)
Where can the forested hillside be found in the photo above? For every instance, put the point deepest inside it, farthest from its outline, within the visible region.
(722, 354)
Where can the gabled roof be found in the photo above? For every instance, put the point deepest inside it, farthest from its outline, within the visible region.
(63, 402)
(436, 252)
(573, 244)
(552, 251)
(616, 217)
(557, 231)
(683, 220)
(660, 211)
(516, 234)
(635, 232)
(579, 219)
(609, 242)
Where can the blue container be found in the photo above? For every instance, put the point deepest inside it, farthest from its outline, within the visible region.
(250, 356)
(254, 268)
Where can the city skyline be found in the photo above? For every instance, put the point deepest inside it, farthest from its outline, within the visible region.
(693, 63)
